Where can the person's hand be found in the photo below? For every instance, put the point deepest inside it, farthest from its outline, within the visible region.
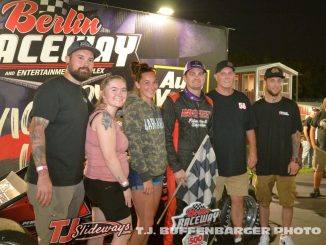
(180, 177)
(252, 161)
(293, 168)
(148, 187)
(127, 196)
(44, 188)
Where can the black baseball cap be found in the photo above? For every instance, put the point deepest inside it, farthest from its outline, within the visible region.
(273, 72)
(221, 65)
(83, 44)
(194, 64)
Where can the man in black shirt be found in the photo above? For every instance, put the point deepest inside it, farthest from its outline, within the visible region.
(57, 137)
(233, 123)
(278, 140)
(307, 150)
(319, 159)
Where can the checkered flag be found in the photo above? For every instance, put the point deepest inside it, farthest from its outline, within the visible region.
(198, 206)
(201, 173)
(57, 6)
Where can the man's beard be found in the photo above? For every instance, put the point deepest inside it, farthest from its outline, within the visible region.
(272, 93)
(81, 74)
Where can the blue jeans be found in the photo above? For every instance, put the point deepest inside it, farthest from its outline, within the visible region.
(137, 183)
(307, 152)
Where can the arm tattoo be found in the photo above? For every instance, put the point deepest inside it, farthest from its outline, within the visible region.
(106, 120)
(37, 138)
(295, 144)
(39, 154)
(42, 122)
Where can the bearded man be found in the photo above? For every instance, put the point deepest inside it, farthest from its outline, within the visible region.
(57, 137)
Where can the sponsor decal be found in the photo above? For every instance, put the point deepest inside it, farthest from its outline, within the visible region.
(242, 106)
(283, 113)
(196, 214)
(84, 231)
(194, 239)
(170, 80)
(322, 124)
(195, 113)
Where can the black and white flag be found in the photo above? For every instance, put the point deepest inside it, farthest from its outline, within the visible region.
(201, 176)
(58, 6)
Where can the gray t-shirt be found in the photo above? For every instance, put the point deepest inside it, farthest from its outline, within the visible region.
(319, 122)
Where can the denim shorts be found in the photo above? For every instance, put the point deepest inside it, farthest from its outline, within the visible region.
(136, 182)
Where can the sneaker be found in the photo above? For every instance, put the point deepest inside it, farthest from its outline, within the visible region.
(238, 241)
(286, 240)
(315, 193)
(264, 239)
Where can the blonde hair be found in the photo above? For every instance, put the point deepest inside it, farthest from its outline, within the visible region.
(105, 82)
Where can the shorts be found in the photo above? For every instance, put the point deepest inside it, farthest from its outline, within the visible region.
(65, 204)
(235, 185)
(286, 189)
(136, 182)
(319, 159)
(107, 196)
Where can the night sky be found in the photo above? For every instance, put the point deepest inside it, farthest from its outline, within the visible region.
(288, 31)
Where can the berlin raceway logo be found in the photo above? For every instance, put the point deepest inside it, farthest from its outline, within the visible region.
(66, 230)
(194, 215)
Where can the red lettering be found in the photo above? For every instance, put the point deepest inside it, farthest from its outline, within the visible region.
(67, 27)
(58, 26)
(195, 239)
(42, 22)
(93, 26)
(58, 225)
(203, 211)
(191, 212)
(20, 20)
(76, 27)
(72, 230)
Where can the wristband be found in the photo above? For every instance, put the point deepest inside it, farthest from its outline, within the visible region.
(125, 183)
(124, 188)
(40, 168)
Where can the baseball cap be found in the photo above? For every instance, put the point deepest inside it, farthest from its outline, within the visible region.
(221, 65)
(273, 72)
(315, 109)
(83, 44)
(194, 64)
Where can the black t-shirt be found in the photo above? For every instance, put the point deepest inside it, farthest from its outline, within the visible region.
(319, 122)
(276, 122)
(64, 104)
(307, 123)
(232, 117)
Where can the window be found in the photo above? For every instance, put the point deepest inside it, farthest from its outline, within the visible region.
(286, 83)
(248, 82)
(236, 82)
(261, 83)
